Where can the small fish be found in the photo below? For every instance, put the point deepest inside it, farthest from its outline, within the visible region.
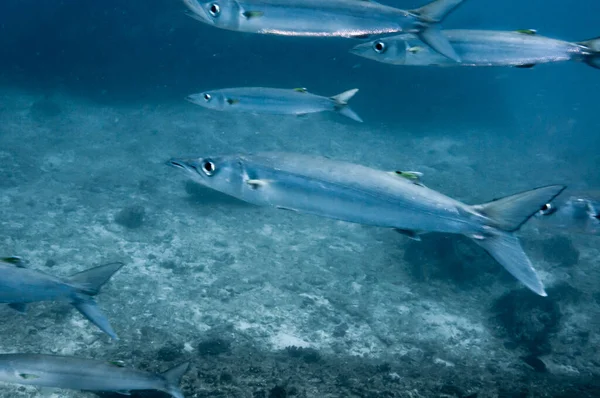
(275, 101)
(358, 194)
(331, 18)
(522, 49)
(86, 374)
(576, 212)
(20, 286)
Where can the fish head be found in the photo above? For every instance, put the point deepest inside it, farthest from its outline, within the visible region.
(221, 173)
(224, 14)
(215, 100)
(579, 213)
(396, 50)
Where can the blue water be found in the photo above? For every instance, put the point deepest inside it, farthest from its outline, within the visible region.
(91, 105)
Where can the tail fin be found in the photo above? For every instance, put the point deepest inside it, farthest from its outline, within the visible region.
(173, 378)
(90, 281)
(507, 250)
(507, 215)
(511, 212)
(432, 14)
(341, 101)
(90, 310)
(592, 59)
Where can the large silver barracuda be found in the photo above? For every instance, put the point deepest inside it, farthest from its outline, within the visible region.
(20, 286)
(521, 48)
(577, 212)
(274, 101)
(359, 194)
(86, 374)
(331, 18)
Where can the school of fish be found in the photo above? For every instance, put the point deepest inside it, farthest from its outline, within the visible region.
(316, 185)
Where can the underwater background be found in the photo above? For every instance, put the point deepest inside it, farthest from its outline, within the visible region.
(275, 304)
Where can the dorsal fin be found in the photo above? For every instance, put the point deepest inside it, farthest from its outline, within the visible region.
(14, 260)
(301, 90)
(412, 176)
(527, 31)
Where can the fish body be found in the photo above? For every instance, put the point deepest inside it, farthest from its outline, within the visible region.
(577, 212)
(359, 194)
(20, 286)
(85, 374)
(523, 48)
(274, 101)
(331, 18)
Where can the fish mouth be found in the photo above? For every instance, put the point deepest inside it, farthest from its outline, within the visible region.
(191, 99)
(178, 164)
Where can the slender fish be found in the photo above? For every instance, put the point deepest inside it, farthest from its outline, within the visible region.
(20, 286)
(274, 101)
(359, 194)
(86, 374)
(331, 18)
(577, 212)
(521, 48)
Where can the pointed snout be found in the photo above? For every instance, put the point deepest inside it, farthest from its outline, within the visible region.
(181, 164)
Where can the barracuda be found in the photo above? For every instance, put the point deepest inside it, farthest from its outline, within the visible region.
(359, 194)
(522, 48)
(331, 18)
(86, 374)
(274, 101)
(20, 286)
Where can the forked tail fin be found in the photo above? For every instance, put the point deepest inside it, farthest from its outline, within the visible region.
(89, 283)
(173, 378)
(505, 248)
(507, 215)
(341, 101)
(431, 15)
(593, 58)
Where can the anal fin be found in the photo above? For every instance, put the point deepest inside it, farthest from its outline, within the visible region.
(414, 235)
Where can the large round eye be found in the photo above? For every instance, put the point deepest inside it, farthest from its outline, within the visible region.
(547, 209)
(208, 167)
(379, 47)
(207, 97)
(214, 10)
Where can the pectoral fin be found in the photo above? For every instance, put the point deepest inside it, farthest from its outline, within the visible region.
(21, 307)
(525, 66)
(232, 101)
(257, 183)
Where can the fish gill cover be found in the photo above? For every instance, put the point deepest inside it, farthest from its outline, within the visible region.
(268, 303)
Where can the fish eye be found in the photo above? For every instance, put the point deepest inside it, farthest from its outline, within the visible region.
(379, 47)
(207, 97)
(547, 209)
(214, 10)
(208, 167)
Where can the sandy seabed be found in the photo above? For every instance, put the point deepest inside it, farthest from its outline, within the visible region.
(268, 303)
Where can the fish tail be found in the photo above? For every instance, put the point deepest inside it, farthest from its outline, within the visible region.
(593, 58)
(341, 104)
(507, 215)
(89, 283)
(173, 378)
(432, 14)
